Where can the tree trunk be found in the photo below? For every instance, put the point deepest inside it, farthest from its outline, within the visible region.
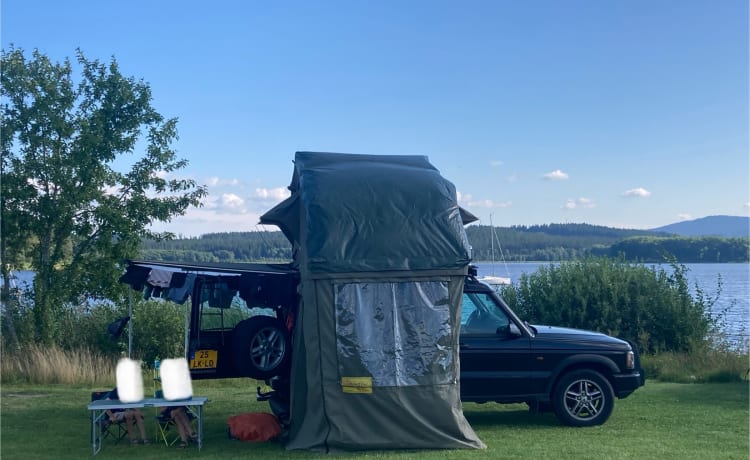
(8, 302)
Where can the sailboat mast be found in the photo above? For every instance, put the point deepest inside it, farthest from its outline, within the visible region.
(492, 239)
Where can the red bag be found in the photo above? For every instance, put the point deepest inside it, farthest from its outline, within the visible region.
(254, 427)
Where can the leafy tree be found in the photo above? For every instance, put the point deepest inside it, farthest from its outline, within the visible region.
(65, 196)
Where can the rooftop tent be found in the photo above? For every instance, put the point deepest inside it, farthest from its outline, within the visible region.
(387, 213)
(382, 253)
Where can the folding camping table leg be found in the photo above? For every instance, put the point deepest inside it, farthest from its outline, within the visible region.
(198, 413)
(200, 427)
(96, 431)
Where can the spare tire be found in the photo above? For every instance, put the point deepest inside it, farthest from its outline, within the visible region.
(261, 347)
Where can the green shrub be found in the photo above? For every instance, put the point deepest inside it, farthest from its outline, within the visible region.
(647, 305)
(158, 329)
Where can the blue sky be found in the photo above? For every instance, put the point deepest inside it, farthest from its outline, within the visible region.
(630, 114)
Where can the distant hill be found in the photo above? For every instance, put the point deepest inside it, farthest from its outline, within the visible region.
(726, 226)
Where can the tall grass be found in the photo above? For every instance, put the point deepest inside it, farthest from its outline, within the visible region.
(706, 366)
(51, 364)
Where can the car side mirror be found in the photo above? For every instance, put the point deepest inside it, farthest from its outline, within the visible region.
(508, 331)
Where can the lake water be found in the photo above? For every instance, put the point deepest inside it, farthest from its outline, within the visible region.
(734, 297)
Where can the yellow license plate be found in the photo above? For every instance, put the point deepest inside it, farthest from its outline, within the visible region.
(204, 359)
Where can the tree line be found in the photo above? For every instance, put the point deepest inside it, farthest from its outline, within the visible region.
(685, 249)
(556, 242)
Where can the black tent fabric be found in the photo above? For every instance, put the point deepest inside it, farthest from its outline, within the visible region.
(382, 253)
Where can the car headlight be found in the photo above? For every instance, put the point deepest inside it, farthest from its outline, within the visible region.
(630, 360)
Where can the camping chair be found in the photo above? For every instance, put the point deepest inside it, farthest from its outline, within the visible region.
(174, 374)
(166, 428)
(114, 430)
(164, 422)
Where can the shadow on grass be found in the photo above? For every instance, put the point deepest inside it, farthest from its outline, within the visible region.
(495, 416)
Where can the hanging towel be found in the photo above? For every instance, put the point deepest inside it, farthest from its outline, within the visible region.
(160, 278)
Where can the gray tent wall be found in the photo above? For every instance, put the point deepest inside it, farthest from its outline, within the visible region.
(382, 253)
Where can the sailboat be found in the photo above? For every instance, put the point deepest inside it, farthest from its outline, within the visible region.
(496, 281)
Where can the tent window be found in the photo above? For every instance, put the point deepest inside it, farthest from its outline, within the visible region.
(397, 334)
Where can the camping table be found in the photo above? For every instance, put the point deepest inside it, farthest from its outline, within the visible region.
(100, 407)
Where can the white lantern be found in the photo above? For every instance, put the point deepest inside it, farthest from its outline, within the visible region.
(129, 380)
(175, 379)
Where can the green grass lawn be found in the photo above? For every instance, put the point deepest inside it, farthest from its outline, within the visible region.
(660, 420)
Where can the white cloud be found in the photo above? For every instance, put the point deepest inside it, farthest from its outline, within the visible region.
(210, 202)
(496, 163)
(586, 202)
(684, 216)
(489, 204)
(637, 192)
(468, 202)
(230, 200)
(278, 193)
(555, 175)
(579, 203)
(227, 207)
(199, 221)
(214, 181)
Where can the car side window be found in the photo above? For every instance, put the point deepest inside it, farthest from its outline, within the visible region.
(480, 315)
(222, 308)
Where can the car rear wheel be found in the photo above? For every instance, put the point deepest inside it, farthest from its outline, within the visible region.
(261, 347)
(583, 398)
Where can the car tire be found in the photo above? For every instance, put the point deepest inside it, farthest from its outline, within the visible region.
(583, 398)
(261, 347)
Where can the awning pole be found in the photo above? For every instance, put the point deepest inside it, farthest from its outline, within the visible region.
(188, 306)
(130, 324)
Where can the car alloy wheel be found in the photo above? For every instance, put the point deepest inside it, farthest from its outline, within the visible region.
(583, 398)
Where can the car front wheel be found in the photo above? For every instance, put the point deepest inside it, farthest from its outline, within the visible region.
(583, 398)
